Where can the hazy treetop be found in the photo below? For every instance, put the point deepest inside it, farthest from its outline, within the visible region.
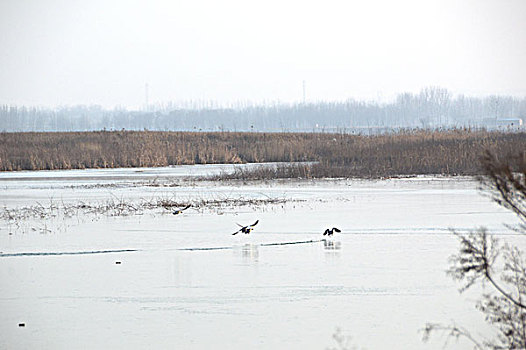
(104, 52)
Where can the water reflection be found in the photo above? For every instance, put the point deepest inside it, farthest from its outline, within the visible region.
(332, 245)
(250, 252)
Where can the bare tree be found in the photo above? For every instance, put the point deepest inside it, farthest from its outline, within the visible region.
(482, 259)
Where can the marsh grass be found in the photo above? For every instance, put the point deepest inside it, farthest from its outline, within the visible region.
(126, 207)
(452, 152)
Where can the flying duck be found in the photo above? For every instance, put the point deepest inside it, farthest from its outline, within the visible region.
(331, 231)
(179, 211)
(246, 229)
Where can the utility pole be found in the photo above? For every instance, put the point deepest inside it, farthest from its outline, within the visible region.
(304, 92)
(147, 103)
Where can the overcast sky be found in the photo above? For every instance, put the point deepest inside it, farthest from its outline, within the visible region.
(66, 52)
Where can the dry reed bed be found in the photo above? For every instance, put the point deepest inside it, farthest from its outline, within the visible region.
(337, 155)
(127, 207)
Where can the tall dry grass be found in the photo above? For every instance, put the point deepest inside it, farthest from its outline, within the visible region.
(338, 155)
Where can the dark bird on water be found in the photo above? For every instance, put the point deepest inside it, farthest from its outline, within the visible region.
(179, 211)
(246, 229)
(331, 231)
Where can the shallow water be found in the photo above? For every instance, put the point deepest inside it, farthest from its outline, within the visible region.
(379, 281)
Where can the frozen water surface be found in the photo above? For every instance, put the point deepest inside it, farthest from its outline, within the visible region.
(150, 281)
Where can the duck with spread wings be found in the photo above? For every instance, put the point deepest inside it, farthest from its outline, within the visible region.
(246, 229)
(331, 231)
(179, 211)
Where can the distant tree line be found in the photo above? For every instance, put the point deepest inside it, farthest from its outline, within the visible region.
(433, 107)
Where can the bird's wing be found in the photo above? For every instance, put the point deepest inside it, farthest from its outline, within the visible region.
(326, 231)
(254, 224)
(188, 206)
(239, 225)
(336, 229)
(235, 233)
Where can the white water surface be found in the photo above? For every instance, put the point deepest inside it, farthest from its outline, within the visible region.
(379, 281)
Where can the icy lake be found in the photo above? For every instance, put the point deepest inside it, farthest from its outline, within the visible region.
(144, 278)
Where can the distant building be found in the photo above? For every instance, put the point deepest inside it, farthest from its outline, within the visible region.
(502, 123)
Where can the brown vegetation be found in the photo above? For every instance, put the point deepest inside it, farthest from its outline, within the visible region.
(336, 155)
(128, 207)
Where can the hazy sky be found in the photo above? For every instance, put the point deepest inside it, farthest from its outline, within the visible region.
(56, 52)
